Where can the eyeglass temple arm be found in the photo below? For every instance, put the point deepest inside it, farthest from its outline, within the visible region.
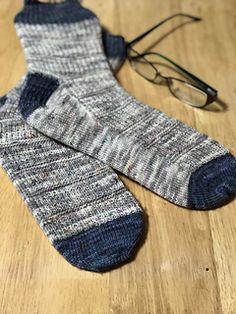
(201, 83)
(140, 37)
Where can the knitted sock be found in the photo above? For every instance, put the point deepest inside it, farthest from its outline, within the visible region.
(79, 202)
(77, 101)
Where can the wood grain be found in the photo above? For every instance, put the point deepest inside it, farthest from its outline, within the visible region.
(187, 261)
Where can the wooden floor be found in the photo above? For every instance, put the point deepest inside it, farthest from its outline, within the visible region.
(187, 263)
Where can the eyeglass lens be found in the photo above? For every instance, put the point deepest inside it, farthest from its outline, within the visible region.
(152, 64)
(187, 93)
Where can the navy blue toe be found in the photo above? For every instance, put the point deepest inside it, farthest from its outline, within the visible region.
(103, 247)
(214, 184)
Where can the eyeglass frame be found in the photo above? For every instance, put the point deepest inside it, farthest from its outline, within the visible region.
(198, 83)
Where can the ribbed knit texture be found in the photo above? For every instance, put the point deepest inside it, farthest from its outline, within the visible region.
(79, 202)
(90, 112)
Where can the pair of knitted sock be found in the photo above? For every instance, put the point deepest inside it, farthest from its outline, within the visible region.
(71, 96)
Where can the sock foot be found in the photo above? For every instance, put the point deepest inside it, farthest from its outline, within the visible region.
(71, 195)
(105, 246)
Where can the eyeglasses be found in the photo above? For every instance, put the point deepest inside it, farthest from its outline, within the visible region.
(159, 69)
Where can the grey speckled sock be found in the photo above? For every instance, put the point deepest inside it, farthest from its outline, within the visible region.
(78, 102)
(79, 202)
